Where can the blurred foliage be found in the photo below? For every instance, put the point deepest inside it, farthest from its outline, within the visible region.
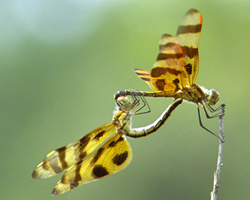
(61, 63)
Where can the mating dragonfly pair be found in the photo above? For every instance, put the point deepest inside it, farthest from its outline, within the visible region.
(105, 150)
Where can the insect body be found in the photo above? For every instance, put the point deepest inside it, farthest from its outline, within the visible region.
(100, 153)
(176, 68)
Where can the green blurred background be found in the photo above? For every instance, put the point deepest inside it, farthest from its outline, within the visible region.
(61, 63)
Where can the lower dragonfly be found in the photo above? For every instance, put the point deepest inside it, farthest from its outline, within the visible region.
(103, 151)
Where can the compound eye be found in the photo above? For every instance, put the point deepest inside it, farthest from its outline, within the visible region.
(123, 102)
(212, 97)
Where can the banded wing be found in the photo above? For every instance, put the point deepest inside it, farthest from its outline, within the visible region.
(112, 157)
(188, 35)
(167, 73)
(177, 63)
(60, 159)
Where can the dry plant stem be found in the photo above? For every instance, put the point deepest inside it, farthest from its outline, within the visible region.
(216, 183)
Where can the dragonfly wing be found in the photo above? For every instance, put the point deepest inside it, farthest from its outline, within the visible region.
(60, 159)
(112, 157)
(188, 35)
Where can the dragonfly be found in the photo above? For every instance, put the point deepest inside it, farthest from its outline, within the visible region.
(175, 70)
(103, 151)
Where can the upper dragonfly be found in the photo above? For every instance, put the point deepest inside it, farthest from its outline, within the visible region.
(103, 151)
(176, 68)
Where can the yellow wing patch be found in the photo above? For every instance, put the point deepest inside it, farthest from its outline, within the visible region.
(60, 159)
(102, 152)
(112, 157)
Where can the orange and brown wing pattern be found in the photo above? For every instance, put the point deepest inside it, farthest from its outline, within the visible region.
(112, 157)
(60, 159)
(177, 62)
(166, 74)
(188, 35)
(145, 76)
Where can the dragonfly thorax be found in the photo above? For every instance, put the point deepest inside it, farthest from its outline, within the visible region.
(192, 93)
(197, 94)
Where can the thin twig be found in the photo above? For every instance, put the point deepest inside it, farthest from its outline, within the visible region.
(217, 173)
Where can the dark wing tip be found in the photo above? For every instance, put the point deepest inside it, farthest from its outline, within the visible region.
(54, 192)
(192, 10)
(35, 175)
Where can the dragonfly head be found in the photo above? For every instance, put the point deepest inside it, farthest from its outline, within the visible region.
(123, 102)
(212, 97)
